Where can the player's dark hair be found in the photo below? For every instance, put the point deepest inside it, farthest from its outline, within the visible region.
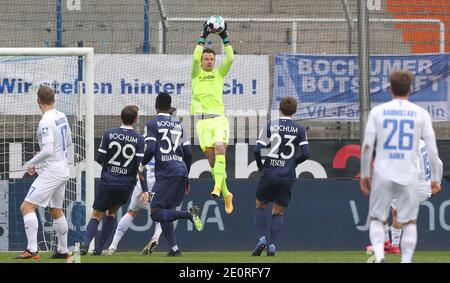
(163, 101)
(288, 105)
(46, 95)
(401, 81)
(135, 107)
(129, 114)
(209, 50)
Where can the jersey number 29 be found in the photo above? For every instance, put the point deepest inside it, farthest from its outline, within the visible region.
(119, 150)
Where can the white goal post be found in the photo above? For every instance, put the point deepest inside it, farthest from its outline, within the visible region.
(85, 113)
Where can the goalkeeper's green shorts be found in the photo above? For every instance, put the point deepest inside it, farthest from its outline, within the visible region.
(212, 130)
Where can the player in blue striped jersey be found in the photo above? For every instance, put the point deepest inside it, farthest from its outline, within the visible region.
(167, 142)
(120, 153)
(137, 203)
(289, 147)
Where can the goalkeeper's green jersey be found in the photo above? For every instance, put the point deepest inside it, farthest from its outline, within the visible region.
(207, 87)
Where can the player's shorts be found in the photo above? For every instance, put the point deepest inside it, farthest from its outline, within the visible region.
(47, 191)
(212, 130)
(107, 196)
(382, 193)
(274, 190)
(135, 203)
(168, 192)
(423, 194)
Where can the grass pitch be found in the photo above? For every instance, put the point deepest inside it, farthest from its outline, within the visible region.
(236, 257)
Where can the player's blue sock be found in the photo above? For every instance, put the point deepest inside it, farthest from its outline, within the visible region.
(168, 215)
(91, 229)
(261, 222)
(169, 233)
(107, 228)
(277, 225)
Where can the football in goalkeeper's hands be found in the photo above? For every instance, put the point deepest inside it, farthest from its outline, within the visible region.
(216, 24)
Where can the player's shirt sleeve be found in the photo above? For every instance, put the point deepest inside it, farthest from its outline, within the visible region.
(303, 137)
(369, 133)
(140, 149)
(304, 146)
(150, 141)
(430, 140)
(103, 148)
(139, 156)
(370, 125)
(263, 141)
(427, 126)
(47, 140)
(264, 136)
(187, 151)
(197, 61)
(46, 132)
(46, 152)
(228, 62)
(150, 133)
(184, 138)
(368, 144)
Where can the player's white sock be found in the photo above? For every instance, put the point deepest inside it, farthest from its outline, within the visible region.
(122, 227)
(408, 242)
(61, 229)
(386, 232)
(175, 248)
(31, 228)
(157, 232)
(396, 236)
(376, 233)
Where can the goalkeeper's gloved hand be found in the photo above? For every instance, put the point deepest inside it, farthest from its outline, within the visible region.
(205, 32)
(223, 34)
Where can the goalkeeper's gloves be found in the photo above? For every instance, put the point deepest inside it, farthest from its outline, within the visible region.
(224, 36)
(205, 32)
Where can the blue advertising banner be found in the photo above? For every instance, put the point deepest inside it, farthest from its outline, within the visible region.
(322, 215)
(326, 86)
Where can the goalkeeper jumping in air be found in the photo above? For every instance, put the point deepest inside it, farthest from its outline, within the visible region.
(207, 106)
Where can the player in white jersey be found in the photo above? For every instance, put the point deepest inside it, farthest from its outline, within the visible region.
(424, 193)
(48, 189)
(397, 127)
(137, 202)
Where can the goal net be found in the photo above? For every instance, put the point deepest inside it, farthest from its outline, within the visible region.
(69, 73)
